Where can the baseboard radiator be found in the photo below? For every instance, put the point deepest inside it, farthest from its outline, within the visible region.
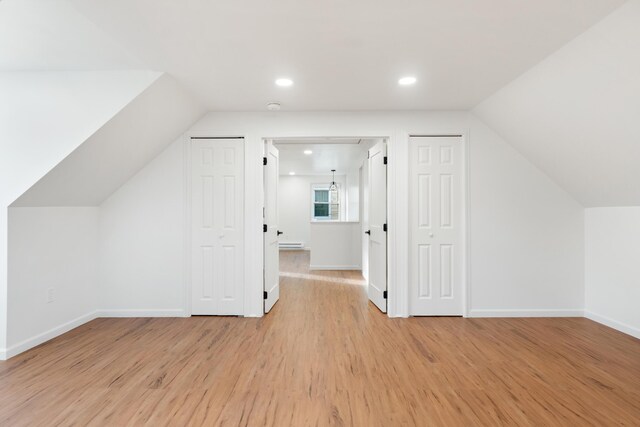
(291, 245)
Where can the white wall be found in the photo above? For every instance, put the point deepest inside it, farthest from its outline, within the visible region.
(364, 217)
(352, 195)
(335, 246)
(613, 267)
(294, 205)
(50, 248)
(141, 245)
(526, 234)
(44, 116)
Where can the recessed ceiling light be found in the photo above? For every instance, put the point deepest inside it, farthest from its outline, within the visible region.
(406, 81)
(307, 152)
(292, 173)
(284, 82)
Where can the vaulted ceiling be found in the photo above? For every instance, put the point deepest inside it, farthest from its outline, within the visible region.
(559, 79)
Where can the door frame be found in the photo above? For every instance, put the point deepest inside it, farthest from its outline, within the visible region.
(397, 209)
(466, 261)
(394, 293)
(187, 168)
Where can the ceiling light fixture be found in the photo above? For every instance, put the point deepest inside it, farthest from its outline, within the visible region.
(308, 152)
(292, 173)
(406, 81)
(284, 82)
(333, 187)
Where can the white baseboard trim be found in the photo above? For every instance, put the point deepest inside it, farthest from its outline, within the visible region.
(607, 321)
(29, 343)
(335, 267)
(143, 312)
(535, 312)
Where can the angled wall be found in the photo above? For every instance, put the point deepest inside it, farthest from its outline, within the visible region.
(612, 280)
(117, 150)
(62, 206)
(575, 114)
(43, 117)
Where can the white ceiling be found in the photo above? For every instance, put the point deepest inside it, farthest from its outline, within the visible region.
(576, 115)
(344, 157)
(343, 55)
(53, 35)
(566, 98)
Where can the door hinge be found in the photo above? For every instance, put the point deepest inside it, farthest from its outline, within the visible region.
(264, 228)
(264, 161)
(385, 160)
(384, 228)
(265, 294)
(384, 294)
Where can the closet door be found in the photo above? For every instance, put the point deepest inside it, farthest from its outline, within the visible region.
(436, 233)
(217, 220)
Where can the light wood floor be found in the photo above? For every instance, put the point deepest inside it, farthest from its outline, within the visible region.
(325, 356)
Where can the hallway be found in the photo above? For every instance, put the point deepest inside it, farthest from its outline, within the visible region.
(326, 356)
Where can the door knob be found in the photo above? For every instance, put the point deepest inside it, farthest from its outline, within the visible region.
(280, 232)
(368, 232)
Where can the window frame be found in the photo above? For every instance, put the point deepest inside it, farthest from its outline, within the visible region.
(324, 187)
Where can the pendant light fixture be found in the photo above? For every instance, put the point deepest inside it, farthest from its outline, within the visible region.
(333, 187)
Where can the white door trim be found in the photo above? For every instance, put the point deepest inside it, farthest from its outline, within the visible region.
(397, 271)
(187, 169)
(463, 134)
(397, 205)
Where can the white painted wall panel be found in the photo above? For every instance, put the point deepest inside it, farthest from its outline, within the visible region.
(336, 245)
(294, 202)
(44, 116)
(50, 248)
(613, 267)
(142, 240)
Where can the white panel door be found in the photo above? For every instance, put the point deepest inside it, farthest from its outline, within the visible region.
(271, 249)
(377, 287)
(217, 223)
(436, 234)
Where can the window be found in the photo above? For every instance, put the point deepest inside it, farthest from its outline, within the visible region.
(326, 204)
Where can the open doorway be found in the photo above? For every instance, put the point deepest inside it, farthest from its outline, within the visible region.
(325, 215)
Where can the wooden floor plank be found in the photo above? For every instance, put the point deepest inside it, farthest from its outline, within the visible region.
(326, 356)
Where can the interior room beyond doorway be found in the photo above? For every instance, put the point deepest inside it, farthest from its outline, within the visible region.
(321, 200)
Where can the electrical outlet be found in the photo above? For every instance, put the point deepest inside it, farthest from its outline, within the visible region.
(51, 295)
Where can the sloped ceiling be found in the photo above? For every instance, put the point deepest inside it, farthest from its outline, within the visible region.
(44, 116)
(119, 149)
(343, 55)
(576, 115)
